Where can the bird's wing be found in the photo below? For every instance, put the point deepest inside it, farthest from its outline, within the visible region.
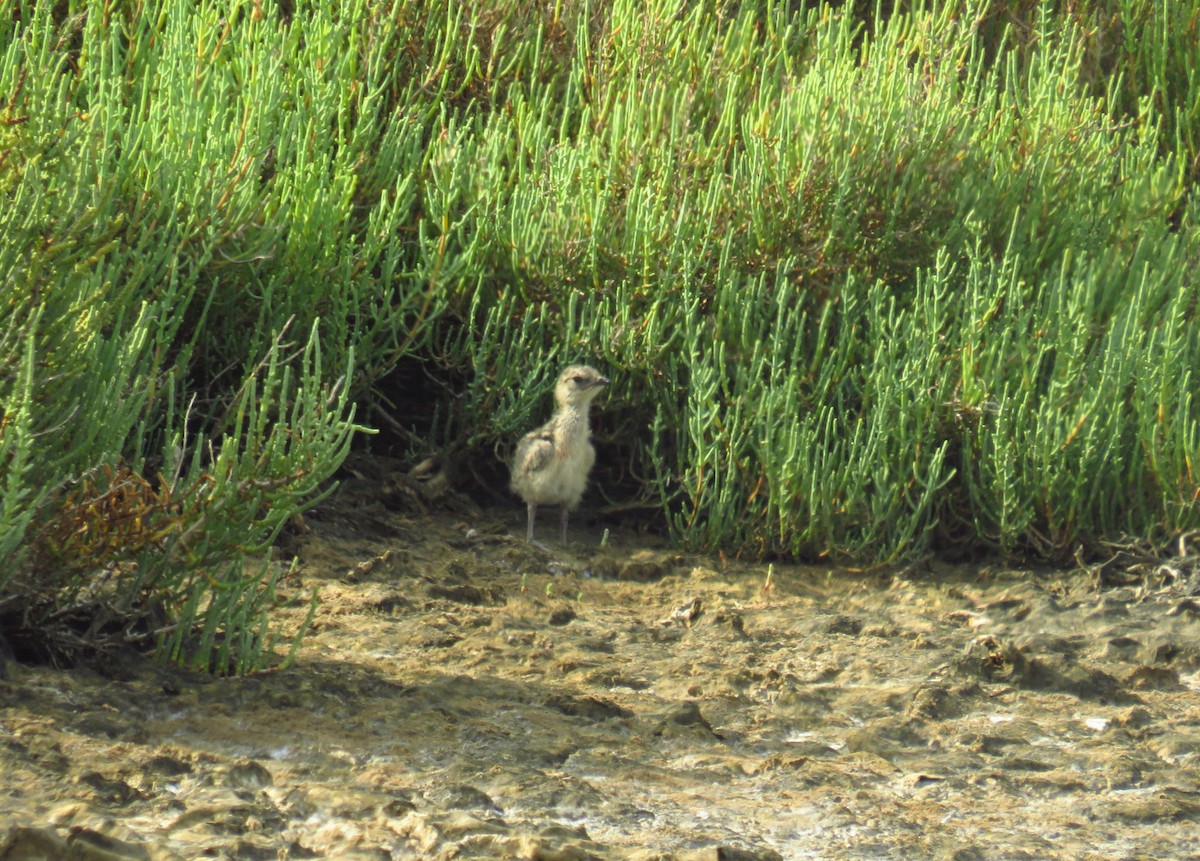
(535, 451)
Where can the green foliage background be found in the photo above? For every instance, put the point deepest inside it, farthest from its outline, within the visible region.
(871, 279)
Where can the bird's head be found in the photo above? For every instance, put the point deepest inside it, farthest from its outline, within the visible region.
(578, 384)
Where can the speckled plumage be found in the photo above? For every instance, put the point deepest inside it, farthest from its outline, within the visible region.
(552, 463)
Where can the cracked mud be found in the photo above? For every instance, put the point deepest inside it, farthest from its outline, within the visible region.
(465, 695)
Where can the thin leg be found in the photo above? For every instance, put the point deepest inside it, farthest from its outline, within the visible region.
(566, 513)
(531, 515)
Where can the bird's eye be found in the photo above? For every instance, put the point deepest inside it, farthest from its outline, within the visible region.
(579, 381)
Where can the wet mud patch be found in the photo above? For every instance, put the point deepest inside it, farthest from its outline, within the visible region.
(465, 695)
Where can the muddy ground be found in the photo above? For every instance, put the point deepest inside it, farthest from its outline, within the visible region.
(466, 695)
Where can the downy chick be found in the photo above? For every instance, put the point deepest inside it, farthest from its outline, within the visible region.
(552, 463)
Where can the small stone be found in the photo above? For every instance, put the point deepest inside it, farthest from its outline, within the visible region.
(591, 708)
(560, 616)
(685, 715)
(168, 766)
(1134, 717)
(643, 567)
(249, 775)
(604, 568)
(919, 779)
(463, 797)
(112, 789)
(464, 594)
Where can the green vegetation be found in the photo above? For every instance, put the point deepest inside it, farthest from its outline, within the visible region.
(869, 281)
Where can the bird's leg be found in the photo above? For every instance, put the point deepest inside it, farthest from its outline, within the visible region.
(566, 513)
(531, 515)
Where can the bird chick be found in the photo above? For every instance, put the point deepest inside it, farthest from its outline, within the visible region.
(552, 463)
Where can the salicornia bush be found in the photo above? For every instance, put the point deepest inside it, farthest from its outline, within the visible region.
(869, 283)
(871, 289)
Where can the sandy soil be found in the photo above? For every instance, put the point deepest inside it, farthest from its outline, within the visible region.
(466, 695)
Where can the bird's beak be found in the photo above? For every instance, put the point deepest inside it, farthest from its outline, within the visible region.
(603, 381)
